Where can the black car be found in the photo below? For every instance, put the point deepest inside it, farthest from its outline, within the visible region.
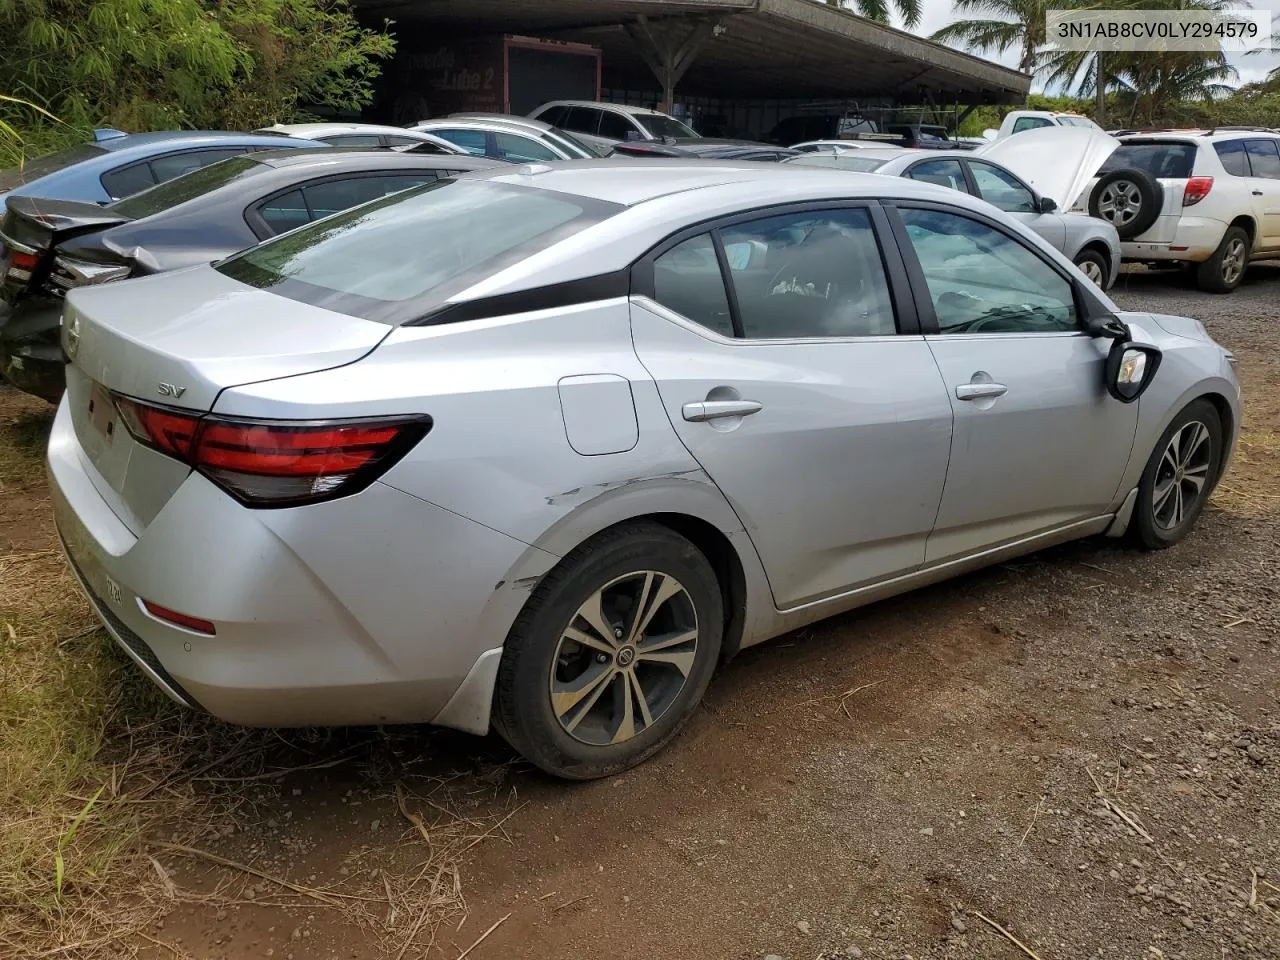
(704, 148)
(50, 246)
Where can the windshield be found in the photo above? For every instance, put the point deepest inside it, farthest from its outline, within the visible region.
(50, 163)
(1173, 161)
(839, 162)
(395, 259)
(660, 125)
(186, 187)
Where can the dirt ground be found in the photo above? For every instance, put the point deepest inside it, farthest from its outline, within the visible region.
(1073, 755)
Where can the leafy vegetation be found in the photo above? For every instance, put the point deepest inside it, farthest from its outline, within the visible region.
(908, 11)
(165, 64)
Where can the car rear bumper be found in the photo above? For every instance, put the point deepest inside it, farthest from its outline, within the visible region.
(370, 609)
(1194, 241)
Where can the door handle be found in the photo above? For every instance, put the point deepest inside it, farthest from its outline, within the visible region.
(980, 391)
(1257, 193)
(705, 410)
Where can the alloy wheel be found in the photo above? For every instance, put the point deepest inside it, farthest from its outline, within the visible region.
(1183, 475)
(624, 657)
(1120, 202)
(1233, 261)
(1092, 271)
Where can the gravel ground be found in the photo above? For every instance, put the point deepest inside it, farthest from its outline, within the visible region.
(1073, 755)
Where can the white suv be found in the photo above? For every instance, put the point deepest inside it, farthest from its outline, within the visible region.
(1206, 199)
(606, 124)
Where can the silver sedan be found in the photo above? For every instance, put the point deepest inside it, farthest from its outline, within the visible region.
(538, 449)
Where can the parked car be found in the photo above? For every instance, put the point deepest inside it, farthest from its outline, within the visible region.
(820, 126)
(606, 124)
(525, 141)
(837, 146)
(1091, 244)
(1208, 200)
(1019, 121)
(704, 148)
(539, 449)
(363, 135)
(921, 136)
(120, 166)
(51, 247)
(587, 150)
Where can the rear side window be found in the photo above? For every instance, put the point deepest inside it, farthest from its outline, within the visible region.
(1264, 159)
(176, 164)
(553, 116)
(581, 120)
(840, 161)
(1173, 161)
(472, 141)
(518, 149)
(396, 259)
(127, 181)
(1030, 123)
(285, 212)
(615, 126)
(1234, 157)
(945, 173)
(354, 140)
(687, 279)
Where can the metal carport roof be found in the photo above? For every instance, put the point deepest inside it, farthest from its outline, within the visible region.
(766, 48)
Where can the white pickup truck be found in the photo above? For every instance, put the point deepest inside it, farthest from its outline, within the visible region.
(1020, 120)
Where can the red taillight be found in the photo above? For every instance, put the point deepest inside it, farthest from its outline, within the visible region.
(180, 619)
(24, 261)
(276, 463)
(1196, 190)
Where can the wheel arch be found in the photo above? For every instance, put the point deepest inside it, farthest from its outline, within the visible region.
(1246, 223)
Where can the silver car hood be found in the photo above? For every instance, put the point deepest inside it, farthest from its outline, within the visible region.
(1058, 162)
(179, 338)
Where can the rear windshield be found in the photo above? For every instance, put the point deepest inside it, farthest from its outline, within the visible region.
(186, 187)
(49, 163)
(396, 259)
(1158, 159)
(660, 125)
(839, 162)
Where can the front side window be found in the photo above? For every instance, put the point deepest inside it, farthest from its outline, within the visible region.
(1234, 157)
(687, 279)
(1264, 159)
(812, 274)
(659, 125)
(398, 258)
(473, 142)
(945, 173)
(1001, 189)
(520, 149)
(983, 281)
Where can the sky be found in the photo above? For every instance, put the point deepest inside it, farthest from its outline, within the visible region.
(937, 14)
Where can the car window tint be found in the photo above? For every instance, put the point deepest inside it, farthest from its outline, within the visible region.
(182, 189)
(813, 274)
(353, 140)
(1173, 161)
(1030, 123)
(472, 141)
(945, 173)
(581, 120)
(285, 212)
(1264, 159)
(518, 149)
(127, 181)
(687, 280)
(426, 145)
(1000, 188)
(614, 125)
(329, 197)
(983, 281)
(176, 164)
(1234, 157)
(553, 116)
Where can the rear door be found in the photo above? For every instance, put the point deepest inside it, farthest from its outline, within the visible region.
(785, 351)
(1264, 188)
(1038, 443)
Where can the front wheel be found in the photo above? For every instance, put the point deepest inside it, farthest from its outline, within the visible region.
(1094, 266)
(1178, 477)
(611, 654)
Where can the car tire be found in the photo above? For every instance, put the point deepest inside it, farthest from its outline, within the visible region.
(574, 709)
(1129, 200)
(1094, 266)
(1190, 450)
(1225, 268)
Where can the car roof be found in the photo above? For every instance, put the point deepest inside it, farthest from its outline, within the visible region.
(305, 130)
(342, 158)
(145, 143)
(618, 107)
(499, 122)
(511, 118)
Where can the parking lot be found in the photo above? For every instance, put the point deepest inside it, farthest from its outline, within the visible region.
(1072, 755)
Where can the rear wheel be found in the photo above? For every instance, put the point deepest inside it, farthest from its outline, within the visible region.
(1224, 270)
(1094, 266)
(612, 653)
(1178, 477)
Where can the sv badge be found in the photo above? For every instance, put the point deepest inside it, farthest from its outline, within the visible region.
(170, 390)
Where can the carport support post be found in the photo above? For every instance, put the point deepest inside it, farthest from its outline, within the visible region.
(1100, 108)
(669, 57)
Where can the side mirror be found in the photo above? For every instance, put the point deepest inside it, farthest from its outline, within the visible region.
(1046, 204)
(1106, 325)
(1130, 368)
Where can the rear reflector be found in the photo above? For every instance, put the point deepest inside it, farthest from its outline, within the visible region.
(1196, 190)
(21, 265)
(276, 463)
(180, 619)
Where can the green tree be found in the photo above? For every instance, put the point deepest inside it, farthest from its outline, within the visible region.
(156, 64)
(879, 10)
(998, 26)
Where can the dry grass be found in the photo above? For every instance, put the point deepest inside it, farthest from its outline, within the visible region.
(103, 781)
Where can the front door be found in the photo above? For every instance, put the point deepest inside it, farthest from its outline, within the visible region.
(1264, 185)
(826, 429)
(1002, 189)
(1039, 444)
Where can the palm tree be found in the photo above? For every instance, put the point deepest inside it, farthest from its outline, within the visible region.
(878, 10)
(997, 26)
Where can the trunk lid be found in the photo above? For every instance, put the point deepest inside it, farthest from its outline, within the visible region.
(32, 226)
(177, 340)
